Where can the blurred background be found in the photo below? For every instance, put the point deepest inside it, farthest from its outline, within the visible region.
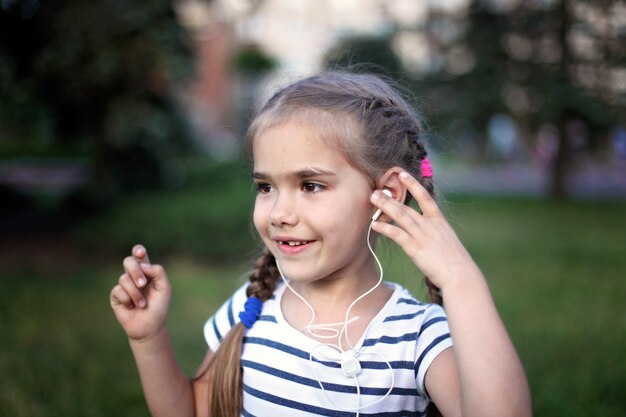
(122, 122)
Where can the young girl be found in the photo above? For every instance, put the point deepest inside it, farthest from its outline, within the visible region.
(316, 331)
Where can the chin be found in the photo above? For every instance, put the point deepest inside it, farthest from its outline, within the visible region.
(298, 276)
(299, 273)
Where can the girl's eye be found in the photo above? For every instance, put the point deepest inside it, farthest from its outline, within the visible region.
(263, 188)
(312, 187)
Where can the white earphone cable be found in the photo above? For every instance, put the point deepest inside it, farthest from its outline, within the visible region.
(331, 332)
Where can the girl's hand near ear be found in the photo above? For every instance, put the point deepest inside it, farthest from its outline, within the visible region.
(427, 237)
(482, 375)
(141, 299)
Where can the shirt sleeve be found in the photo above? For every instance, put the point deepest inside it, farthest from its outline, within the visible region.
(218, 325)
(433, 338)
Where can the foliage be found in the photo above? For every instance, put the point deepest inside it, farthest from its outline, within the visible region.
(209, 218)
(251, 59)
(541, 63)
(552, 63)
(94, 78)
(372, 53)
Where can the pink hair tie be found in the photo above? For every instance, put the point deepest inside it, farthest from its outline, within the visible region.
(426, 168)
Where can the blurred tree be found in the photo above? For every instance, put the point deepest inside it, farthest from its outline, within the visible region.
(251, 64)
(543, 62)
(250, 59)
(94, 78)
(373, 53)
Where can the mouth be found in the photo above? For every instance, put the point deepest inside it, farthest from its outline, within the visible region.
(293, 242)
(293, 247)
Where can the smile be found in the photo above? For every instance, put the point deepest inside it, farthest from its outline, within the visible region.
(293, 242)
(293, 247)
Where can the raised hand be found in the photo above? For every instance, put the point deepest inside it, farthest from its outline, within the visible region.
(142, 297)
(426, 237)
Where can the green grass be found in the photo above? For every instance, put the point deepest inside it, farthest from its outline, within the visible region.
(556, 271)
(63, 353)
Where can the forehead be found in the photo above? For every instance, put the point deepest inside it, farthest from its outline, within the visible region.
(295, 143)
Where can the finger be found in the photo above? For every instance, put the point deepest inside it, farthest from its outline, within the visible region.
(132, 268)
(158, 277)
(425, 201)
(133, 292)
(119, 296)
(402, 214)
(140, 254)
(405, 240)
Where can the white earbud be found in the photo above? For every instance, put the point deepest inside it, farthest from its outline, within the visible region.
(379, 211)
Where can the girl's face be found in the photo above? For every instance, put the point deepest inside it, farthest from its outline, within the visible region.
(312, 207)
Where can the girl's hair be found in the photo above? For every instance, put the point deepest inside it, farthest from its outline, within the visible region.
(376, 129)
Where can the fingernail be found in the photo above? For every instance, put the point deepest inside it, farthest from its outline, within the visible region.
(142, 303)
(141, 282)
(375, 195)
(404, 174)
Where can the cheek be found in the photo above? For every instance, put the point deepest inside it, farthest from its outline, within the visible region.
(260, 216)
(351, 214)
(355, 209)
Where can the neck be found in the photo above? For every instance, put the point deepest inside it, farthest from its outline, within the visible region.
(338, 293)
(355, 298)
(335, 293)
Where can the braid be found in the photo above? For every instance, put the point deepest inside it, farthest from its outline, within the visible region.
(224, 371)
(404, 127)
(419, 153)
(263, 277)
(403, 133)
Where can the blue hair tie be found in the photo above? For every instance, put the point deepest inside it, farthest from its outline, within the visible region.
(251, 312)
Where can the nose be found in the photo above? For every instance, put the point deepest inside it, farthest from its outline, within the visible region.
(284, 211)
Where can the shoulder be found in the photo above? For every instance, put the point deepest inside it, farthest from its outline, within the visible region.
(424, 324)
(403, 307)
(409, 311)
(404, 312)
(220, 323)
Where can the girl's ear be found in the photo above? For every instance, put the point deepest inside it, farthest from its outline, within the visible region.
(390, 181)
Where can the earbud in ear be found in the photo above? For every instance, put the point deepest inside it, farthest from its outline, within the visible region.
(379, 211)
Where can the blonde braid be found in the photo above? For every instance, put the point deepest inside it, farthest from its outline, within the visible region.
(224, 372)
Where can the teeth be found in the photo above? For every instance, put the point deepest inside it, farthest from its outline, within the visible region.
(292, 243)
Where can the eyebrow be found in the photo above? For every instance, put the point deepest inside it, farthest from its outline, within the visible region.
(302, 174)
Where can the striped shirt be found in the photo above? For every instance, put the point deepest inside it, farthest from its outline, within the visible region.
(283, 368)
